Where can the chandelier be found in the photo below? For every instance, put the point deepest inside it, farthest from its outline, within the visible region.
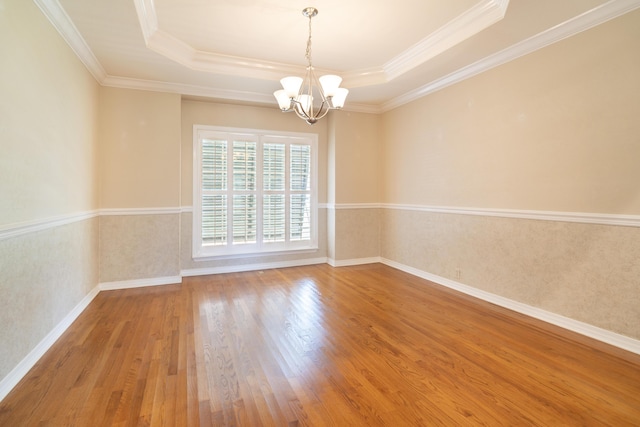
(298, 94)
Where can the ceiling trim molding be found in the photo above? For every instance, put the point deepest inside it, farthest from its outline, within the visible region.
(571, 27)
(186, 89)
(472, 21)
(54, 12)
(469, 23)
(207, 92)
(177, 50)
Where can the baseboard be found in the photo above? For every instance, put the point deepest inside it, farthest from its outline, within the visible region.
(22, 368)
(603, 335)
(251, 267)
(140, 283)
(356, 261)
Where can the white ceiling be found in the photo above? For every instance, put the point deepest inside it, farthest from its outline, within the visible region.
(388, 52)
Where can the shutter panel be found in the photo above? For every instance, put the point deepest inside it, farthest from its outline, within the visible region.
(273, 220)
(300, 208)
(245, 209)
(214, 181)
(273, 207)
(300, 217)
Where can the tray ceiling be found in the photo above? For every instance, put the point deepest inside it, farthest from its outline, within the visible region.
(388, 53)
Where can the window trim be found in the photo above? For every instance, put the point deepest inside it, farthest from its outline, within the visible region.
(201, 252)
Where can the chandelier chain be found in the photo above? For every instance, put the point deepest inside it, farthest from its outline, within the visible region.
(308, 52)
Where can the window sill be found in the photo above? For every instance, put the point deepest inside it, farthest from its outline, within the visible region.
(253, 254)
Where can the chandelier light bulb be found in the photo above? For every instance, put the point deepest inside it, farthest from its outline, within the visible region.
(291, 85)
(330, 83)
(339, 97)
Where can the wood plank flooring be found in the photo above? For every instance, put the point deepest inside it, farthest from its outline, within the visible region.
(320, 346)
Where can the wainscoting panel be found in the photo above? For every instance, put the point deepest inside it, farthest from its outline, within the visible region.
(45, 275)
(139, 246)
(586, 272)
(357, 233)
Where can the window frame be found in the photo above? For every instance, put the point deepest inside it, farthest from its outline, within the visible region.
(202, 251)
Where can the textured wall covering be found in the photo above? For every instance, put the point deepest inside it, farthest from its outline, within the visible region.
(357, 233)
(43, 276)
(586, 272)
(139, 247)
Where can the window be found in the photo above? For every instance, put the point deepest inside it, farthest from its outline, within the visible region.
(254, 192)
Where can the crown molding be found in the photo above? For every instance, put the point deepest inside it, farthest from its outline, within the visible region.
(175, 49)
(571, 27)
(213, 93)
(472, 21)
(469, 23)
(186, 89)
(63, 24)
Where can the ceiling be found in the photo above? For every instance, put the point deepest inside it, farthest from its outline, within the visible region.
(388, 52)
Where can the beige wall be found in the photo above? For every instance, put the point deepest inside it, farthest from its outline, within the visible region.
(139, 149)
(139, 169)
(356, 156)
(556, 130)
(48, 145)
(354, 179)
(48, 114)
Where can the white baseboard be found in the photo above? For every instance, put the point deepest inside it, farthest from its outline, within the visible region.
(612, 338)
(356, 261)
(251, 267)
(22, 368)
(140, 283)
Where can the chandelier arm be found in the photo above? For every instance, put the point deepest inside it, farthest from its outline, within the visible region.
(323, 110)
(299, 110)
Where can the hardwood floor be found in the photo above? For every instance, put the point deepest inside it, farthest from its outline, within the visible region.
(320, 346)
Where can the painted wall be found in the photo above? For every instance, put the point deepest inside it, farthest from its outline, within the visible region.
(139, 149)
(48, 113)
(139, 186)
(48, 176)
(554, 131)
(354, 186)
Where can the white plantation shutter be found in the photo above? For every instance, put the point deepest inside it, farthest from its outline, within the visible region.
(253, 192)
(274, 177)
(300, 210)
(214, 186)
(245, 209)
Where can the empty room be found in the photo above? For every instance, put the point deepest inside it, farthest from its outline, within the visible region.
(332, 213)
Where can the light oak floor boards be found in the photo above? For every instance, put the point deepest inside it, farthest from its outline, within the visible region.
(321, 346)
